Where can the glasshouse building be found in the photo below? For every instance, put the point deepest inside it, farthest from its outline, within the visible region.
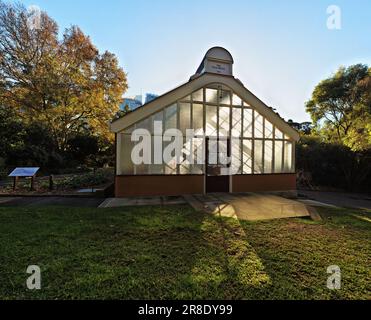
(230, 140)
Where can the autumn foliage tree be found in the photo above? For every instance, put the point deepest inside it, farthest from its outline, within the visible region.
(64, 83)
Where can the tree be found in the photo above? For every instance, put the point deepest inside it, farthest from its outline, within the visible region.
(333, 164)
(24, 144)
(126, 108)
(66, 84)
(122, 113)
(303, 127)
(340, 107)
(11, 131)
(81, 146)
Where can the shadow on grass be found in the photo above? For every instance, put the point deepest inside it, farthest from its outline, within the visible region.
(130, 253)
(297, 252)
(169, 253)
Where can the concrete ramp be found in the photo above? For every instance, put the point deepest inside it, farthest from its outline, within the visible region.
(249, 206)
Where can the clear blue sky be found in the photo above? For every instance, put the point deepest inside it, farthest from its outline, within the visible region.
(282, 48)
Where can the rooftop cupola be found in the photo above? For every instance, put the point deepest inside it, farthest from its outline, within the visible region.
(217, 60)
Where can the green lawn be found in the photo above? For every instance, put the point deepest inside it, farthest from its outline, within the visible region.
(177, 253)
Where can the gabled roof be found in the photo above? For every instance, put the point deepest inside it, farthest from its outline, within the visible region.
(193, 85)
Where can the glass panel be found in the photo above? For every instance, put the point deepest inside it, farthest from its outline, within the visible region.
(278, 134)
(211, 121)
(236, 156)
(145, 124)
(126, 165)
(258, 125)
(171, 117)
(247, 123)
(288, 157)
(158, 117)
(197, 169)
(213, 151)
(236, 122)
(155, 168)
(184, 117)
(247, 156)
(198, 119)
(278, 149)
(185, 167)
(258, 157)
(198, 95)
(224, 121)
(129, 130)
(245, 104)
(268, 130)
(225, 97)
(212, 96)
(236, 100)
(223, 153)
(268, 156)
(142, 169)
(170, 167)
(187, 98)
(198, 154)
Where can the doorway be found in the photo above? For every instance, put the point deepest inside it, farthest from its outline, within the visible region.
(218, 155)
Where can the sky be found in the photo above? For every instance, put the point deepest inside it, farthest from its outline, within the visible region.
(281, 48)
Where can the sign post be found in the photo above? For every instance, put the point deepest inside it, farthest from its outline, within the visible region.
(24, 173)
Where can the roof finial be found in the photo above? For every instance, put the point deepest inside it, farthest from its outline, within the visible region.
(217, 60)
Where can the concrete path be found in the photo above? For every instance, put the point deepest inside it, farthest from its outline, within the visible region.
(6, 199)
(141, 201)
(249, 206)
(50, 201)
(340, 199)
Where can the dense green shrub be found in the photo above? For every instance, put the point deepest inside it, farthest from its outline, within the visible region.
(334, 165)
(3, 170)
(99, 177)
(32, 144)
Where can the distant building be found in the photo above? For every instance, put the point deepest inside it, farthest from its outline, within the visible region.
(150, 97)
(133, 102)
